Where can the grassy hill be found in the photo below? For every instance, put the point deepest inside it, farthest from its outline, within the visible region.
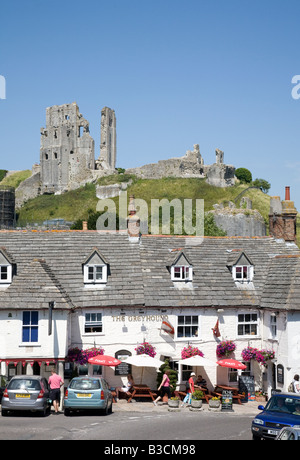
(81, 203)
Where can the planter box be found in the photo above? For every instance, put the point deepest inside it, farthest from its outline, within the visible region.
(196, 405)
(174, 403)
(214, 405)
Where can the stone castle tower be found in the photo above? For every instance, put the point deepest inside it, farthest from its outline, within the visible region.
(108, 145)
(67, 150)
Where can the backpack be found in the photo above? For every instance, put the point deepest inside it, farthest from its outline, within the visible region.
(291, 388)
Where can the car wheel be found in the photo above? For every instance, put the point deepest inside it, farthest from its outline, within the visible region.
(4, 412)
(256, 438)
(67, 412)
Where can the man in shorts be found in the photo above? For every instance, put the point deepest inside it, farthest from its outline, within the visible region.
(55, 382)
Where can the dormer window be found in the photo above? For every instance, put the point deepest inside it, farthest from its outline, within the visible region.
(242, 272)
(96, 273)
(241, 266)
(181, 269)
(181, 273)
(5, 273)
(6, 268)
(95, 269)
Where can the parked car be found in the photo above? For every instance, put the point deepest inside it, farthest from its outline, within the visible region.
(3, 383)
(282, 410)
(289, 434)
(85, 393)
(26, 393)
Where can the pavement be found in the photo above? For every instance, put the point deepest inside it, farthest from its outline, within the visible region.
(250, 408)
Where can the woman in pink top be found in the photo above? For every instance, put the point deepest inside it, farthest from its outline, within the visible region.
(164, 387)
(55, 382)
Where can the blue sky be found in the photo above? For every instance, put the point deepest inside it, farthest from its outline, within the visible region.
(177, 73)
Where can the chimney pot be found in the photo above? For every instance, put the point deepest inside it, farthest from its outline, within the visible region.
(84, 226)
(287, 194)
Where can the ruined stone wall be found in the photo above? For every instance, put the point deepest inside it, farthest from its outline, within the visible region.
(67, 149)
(108, 145)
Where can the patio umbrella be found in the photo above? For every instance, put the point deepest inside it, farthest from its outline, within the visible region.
(197, 361)
(144, 361)
(104, 360)
(233, 363)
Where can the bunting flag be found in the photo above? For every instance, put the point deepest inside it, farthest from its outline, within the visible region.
(167, 327)
(216, 330)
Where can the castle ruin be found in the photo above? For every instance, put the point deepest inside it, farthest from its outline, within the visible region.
(67, 153)
(67, 157)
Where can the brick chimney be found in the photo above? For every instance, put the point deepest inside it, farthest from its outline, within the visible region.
(133, 221)
(282, 218)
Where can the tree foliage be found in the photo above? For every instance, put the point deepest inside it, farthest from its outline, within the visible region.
(263, 184)
(244, 175)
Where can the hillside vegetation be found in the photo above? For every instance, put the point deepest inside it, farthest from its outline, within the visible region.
(81, 203)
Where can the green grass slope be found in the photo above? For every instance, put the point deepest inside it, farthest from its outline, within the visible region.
(80, 203)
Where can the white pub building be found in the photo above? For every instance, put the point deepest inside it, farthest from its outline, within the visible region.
(61, 290)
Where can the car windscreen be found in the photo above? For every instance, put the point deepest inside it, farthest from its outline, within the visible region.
(85, 384)
(24, 384)
(284, 404)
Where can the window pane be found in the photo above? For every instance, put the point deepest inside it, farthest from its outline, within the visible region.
(180, 319)
(3, 273)
(26, 318)
(195, 331)
(187, 320)
(90, 273)
(34, 317)
(240, 330)
(99, 273)
(34, 334)
(240, 318)
(180, 331)
(25, 334)
(195, 320)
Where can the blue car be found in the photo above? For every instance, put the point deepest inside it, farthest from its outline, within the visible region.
(86, 393)
(282, 409)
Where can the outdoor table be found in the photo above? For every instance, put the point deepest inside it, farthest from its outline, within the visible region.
(235, 392)
(141, 391)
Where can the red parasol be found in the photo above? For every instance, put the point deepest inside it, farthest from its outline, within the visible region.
(233, 363)
(103, 360)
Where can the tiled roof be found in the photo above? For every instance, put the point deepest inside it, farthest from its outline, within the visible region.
(49, 267)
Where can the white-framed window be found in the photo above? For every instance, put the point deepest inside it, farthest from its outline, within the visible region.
(273, 327)
(242, 272)
(5, 274)
(187, 326)
(247, 324)
(30, 326)
(181, 273)
(94, 274)
(93, 323)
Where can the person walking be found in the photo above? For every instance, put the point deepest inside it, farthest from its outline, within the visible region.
(55, 381)
(296, 384)
(164, 387)
(190, 390)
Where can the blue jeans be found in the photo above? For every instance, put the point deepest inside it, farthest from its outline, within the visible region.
(187, 398)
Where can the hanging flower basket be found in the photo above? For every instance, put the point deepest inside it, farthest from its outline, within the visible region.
(79, 356)
(190, 351)
(225, 348)
(145, 348)
(261, 356)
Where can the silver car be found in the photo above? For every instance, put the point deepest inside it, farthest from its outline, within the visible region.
(86, 393)
(26, 393)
